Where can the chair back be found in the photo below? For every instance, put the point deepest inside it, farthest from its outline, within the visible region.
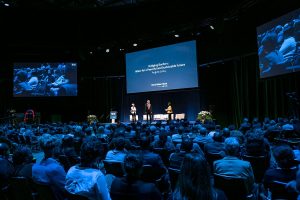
(150, 174)
(174, 174)
(279, 191)
(259, 166)
(20, 189)
(164, 154)
(71, 196)
(114, 167)
(212, 157)
(44, 191)
(233, 187)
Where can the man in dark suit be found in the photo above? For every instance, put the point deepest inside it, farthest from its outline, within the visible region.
(148, 110)
(231, 165)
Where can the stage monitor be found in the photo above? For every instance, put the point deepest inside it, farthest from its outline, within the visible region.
(279, 45)
(44, 79)
(163, 68)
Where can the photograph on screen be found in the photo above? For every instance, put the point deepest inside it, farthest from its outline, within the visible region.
(278, 45)
(163, 68)
(44, 79)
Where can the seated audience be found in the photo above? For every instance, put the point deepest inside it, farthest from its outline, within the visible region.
(49, 171)
(119, 153)
(86, 179)
(176, 159)
(231, 165)
(130, 186)
(285, 172)
(217, 146)
(163, 142)
(23, 162)
(194, 181)
(6, 167)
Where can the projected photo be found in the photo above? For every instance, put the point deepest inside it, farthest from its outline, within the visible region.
(278, 45)
(45, 79)
(164, 68)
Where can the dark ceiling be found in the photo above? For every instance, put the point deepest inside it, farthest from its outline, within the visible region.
(77, 28)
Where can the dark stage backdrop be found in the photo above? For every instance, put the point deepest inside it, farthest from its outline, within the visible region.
(232, 88)
(186, 101)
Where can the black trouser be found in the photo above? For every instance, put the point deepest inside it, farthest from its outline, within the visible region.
(169, 117)
(149, 115)
(133, 117)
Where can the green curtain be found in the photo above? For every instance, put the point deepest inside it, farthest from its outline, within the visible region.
(255, 97)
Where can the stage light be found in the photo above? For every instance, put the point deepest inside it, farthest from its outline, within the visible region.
(91, 52)
(212, 27)
(134, 44)
(176, 35)
(6, 4)
(121, 49)
(107, 50)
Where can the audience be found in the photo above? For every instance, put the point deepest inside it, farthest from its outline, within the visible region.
(130, 186)
(194, 181)
(23, 162)
(49, 171)
(82, 143)
(86, 179)
(231, 165)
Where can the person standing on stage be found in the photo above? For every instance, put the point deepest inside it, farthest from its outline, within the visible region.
(133, 112)
(148, 110)
(169, 111)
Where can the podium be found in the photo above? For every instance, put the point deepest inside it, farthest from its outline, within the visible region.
(113, 116)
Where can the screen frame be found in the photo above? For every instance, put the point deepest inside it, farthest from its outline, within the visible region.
(43, 62)
(262, 28)
(168, 90)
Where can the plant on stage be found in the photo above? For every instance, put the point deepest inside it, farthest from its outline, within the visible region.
(92, 119)
(204, 115)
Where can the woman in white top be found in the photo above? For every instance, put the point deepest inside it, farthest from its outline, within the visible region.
(133, 112)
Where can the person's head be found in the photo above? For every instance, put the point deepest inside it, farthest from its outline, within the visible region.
(120, 144)
(255, 144)
(145, 142)
(194, 179)
(22, 155)
(47, 144)
(232, 146)
(67, 141)
(226, 132)
(203, 131)
(132, 104)
(148, 101)
(133, 166)
(284, 156)
(218, 136)
(169, 103)
(163, 137)
(90, 152)
(186, 144)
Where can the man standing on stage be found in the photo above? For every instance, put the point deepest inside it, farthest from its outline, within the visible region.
(169, 111)
(133, 112)
(148, 111)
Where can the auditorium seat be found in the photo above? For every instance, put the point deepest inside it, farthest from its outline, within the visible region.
(174, 173)
(233, 187)
(259, 165)
(113, 167)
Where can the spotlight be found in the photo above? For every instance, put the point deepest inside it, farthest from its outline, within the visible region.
(134, 44)
(212, 27)
(6, 4)
(107, 50)
(121, 49)
(91, 52)
(176, 35)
